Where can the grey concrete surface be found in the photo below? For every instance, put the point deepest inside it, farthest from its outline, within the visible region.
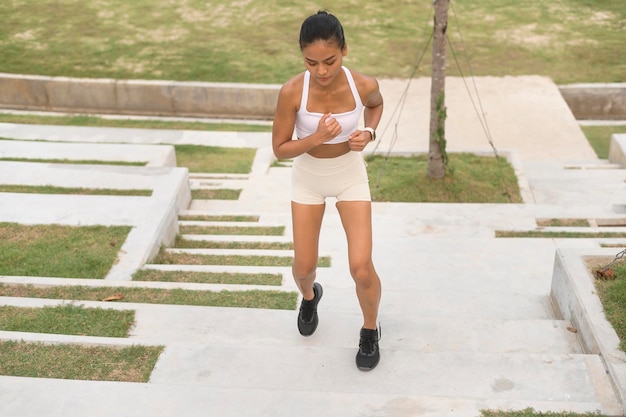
(224, 100)
(137, 97)
(469, 321)
(596, 101)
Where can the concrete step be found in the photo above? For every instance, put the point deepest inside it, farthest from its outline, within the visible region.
(573, 183)
(223, 327)
(314, 368)
(151, 155)
(30, 397)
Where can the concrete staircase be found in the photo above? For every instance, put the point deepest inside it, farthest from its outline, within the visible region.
(467, 323)
(467, 319)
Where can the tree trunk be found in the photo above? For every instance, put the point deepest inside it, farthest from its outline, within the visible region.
(437, 156)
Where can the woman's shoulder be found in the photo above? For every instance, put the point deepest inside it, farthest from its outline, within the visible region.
(293, 85)
(364, 83)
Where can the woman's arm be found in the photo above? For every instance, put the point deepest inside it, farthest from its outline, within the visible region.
(284, 122)
(373, 102)
(373, 107)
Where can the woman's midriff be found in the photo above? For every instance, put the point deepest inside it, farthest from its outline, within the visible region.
(330, 151)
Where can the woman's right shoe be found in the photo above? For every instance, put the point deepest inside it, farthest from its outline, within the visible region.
(307, 317)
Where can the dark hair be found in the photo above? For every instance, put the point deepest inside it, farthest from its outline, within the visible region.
(321, 26)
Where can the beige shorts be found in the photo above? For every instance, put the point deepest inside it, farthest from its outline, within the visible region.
(315, 179)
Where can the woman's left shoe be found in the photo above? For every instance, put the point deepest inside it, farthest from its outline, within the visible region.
(369, 354)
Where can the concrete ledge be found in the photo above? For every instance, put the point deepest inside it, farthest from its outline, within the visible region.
(574, 295)
(617, 150)
(220, 100)
(596, 101)
(151, 155)
(138, 97)
(154, 219)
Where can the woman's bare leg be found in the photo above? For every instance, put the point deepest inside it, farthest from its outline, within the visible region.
(356, 217)
(307, 222)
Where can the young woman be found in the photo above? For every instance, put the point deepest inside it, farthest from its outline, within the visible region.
(324, 105)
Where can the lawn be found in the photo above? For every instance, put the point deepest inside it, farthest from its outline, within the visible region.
(256, 41)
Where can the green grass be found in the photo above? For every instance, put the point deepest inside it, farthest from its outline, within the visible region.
(563, 223)
(208, 277)
(217, 194)
(214, 159)
(612, 293)
(246, 299)
(551, 234)
(226, 218)
(599, 138)
(67, 319)
(470, 179)
(232, 230)
(93, 363)
(77, 252)
(49, 189)
(170, 258)
(211, 244)
(256, 41)
(530, 412)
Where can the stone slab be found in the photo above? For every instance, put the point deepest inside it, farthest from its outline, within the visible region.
(150, 155)
(577, 300)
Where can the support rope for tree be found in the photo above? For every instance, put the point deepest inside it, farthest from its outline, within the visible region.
(395, 117)
(400, 105)
(481, 115)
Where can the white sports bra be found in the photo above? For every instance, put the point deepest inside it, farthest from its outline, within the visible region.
(306, 121)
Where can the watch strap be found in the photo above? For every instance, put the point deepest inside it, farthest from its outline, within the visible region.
(372, 132)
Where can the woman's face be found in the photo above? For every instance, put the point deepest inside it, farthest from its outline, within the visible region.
(323, 59)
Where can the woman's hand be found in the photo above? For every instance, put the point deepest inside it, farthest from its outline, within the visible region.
(328, 128)
(359, 140)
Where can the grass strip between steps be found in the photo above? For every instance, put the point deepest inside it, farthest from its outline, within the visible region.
(182, 243)
(169, 258)
(49, 189)
(211, 218)
(69, 361)
(233, 230)
(59, 251)
(218, 194)
(276, 300)
(207, 277)
(563, 223)
(551, 234)
(67, 319)
(531, 412)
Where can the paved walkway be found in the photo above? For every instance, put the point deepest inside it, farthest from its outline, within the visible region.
(468, 319)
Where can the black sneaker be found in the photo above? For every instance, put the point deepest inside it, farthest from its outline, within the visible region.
(368, 355)
(307, 317)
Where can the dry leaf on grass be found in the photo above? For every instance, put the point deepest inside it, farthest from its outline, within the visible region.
(113, 297)
(605, 274)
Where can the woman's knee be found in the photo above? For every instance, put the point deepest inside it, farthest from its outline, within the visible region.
(303, 270)
(364, 276)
